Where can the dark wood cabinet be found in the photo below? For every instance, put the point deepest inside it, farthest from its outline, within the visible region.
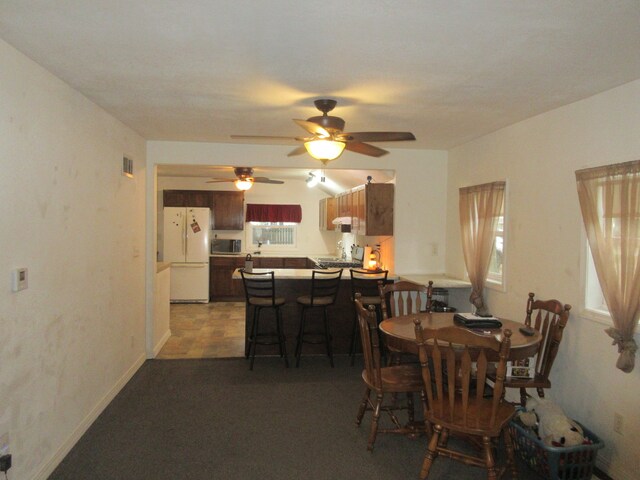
(221, 284)
(228, 210)
(268, 262)
(227, 207)
(174, 198)
(372, 212)
(295, 262)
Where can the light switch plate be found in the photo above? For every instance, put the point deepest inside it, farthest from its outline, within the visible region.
(20, 279)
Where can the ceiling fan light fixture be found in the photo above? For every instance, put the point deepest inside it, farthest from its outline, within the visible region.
(243, 184)
(324, 149)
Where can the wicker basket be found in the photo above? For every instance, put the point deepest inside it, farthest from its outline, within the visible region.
(556, 463)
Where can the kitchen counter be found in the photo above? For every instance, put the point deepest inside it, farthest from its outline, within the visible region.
(299, 273)
(439, 280)
(272, 255)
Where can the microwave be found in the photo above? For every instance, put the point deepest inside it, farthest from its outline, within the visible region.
(226, 246)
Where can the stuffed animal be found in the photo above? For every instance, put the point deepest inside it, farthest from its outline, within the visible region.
(555, 428)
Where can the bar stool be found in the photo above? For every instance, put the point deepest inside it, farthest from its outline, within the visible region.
(324, 290)
(260, 293)
(365, 282)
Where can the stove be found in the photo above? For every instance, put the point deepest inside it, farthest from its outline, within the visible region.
(339, 264)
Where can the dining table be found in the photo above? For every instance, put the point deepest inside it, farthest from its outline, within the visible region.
(400, 333)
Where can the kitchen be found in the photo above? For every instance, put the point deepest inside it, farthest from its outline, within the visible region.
(313, 238)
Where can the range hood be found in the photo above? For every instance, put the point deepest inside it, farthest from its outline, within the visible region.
(343, 224)
(341, 221)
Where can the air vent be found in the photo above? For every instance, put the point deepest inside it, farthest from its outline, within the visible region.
(127, 167)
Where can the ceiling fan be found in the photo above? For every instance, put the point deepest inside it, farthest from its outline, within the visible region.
(328, 139)
(244, 179)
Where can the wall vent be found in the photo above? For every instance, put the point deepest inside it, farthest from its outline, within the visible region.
(127, 167)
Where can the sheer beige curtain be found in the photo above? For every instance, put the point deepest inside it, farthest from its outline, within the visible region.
(480, 208)
(610, 203)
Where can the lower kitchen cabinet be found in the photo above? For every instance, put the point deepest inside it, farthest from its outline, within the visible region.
(221, 284)
(222, 287)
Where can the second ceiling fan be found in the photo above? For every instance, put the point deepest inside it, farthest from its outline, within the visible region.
(328, 141)
(244, 179)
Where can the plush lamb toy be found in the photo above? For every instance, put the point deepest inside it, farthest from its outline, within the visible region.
(555, 428)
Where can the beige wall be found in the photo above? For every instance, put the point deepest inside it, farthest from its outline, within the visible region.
(537, 158)
(71, 340)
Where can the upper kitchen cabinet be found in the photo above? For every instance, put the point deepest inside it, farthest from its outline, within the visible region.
(372, 210)
(327, 213)
(228, 210)
(345, 204)
(186, 198)
(227, 206)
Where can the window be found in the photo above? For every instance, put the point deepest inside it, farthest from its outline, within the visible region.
(273, 233)
(495, 277)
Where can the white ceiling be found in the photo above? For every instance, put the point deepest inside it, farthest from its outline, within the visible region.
(449, 71)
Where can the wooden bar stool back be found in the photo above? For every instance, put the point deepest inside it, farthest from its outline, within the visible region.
(365, 283)
(455, 399)
(381, 380)
(324, 290)
(260, 293)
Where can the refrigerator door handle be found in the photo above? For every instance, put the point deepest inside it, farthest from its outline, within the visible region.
(184, 235)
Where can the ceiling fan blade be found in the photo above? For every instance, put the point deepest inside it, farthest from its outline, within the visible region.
(221, 180)
(297, 151)
(365, 149)
(313, 128)
(377, 136)
(261, 137)
(266, 180)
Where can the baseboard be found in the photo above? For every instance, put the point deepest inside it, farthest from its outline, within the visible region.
(48, 468)
(605, 471)
(160, 344)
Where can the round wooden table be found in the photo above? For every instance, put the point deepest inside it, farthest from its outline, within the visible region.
(400, 333)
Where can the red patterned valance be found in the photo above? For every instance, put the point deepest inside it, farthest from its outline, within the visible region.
(273, 213)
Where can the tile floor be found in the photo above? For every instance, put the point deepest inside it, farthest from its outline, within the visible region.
(212, 330)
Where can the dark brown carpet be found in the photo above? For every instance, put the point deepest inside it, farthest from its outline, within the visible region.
(214, 419)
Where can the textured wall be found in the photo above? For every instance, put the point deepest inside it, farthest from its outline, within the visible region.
(76, 334)
(545, 243)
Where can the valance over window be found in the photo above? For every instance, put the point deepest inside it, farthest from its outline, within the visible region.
(273, 213)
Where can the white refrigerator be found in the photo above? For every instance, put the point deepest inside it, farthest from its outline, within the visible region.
(186, 246)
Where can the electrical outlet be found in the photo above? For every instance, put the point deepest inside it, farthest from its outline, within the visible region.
(617, 423)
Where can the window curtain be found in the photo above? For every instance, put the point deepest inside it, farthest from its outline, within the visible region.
(610, 203)
(480, 208)
(273, 213)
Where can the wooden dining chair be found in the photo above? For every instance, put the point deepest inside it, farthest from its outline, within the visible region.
(549, 318)
(403, 298)
(455, 400)
(381, 380)
(365, 283)
(260, 293)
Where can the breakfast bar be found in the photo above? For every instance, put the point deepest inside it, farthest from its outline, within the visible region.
(293, 283)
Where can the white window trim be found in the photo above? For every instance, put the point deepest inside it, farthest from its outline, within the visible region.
(272, 248)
